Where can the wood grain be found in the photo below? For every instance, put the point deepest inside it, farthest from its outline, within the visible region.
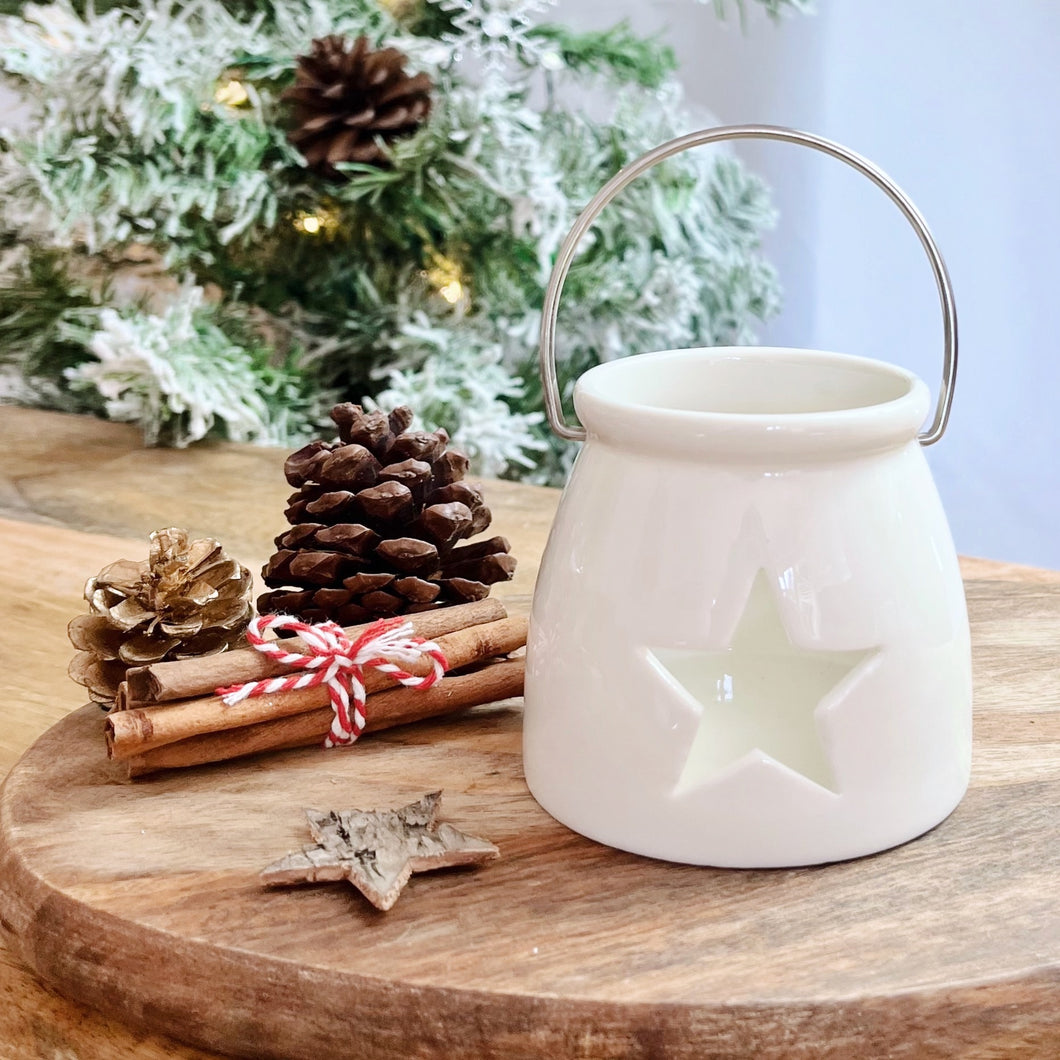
(56, 471)
(96, 476)
(564, 948)
(946, 947)
(45, 570)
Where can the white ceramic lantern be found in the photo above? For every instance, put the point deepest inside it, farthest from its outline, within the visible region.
(749, 643)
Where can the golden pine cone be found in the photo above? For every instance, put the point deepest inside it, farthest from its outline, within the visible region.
(345, 100)
(185, 599)
(376, 524)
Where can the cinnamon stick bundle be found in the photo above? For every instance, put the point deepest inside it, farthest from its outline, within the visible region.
(131, 733)
(492, 682)
(172, 719)
(188, 678)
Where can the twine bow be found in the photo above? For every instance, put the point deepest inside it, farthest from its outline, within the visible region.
(336, 661)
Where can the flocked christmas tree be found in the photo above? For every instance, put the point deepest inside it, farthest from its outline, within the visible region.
(220, 220)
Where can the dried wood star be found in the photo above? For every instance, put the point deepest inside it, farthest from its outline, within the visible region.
(378, 850)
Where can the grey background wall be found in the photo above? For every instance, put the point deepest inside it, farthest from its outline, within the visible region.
(960, 103)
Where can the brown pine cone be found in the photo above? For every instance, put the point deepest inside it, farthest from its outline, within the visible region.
(345, 100)
(186, 599)
(376, 520)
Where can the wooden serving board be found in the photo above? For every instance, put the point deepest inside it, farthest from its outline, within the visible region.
(142, 900)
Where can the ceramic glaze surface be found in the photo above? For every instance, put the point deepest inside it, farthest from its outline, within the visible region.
(749, 643)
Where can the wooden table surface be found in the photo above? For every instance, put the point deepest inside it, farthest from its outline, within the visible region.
(76, 494)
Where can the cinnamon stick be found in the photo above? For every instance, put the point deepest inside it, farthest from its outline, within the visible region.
(489, 684)
(187, 678)
(133, 732)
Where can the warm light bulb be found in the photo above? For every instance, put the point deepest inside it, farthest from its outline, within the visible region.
(232, 93)
(399, 8)
(445, 276)
(323, 222)
(452, 292)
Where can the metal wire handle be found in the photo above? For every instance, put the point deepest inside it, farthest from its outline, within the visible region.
(550, 309)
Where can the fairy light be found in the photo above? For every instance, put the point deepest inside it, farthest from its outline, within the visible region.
(446, 278)
(319, 222)
(452, 292)
(231, 93)
(399, 8)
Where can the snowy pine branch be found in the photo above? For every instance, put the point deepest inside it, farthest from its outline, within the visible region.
(418, 280)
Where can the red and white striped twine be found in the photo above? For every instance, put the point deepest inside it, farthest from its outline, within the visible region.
(336, 661)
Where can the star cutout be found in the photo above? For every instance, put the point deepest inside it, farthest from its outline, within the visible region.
(378, 850)
(760, 696)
